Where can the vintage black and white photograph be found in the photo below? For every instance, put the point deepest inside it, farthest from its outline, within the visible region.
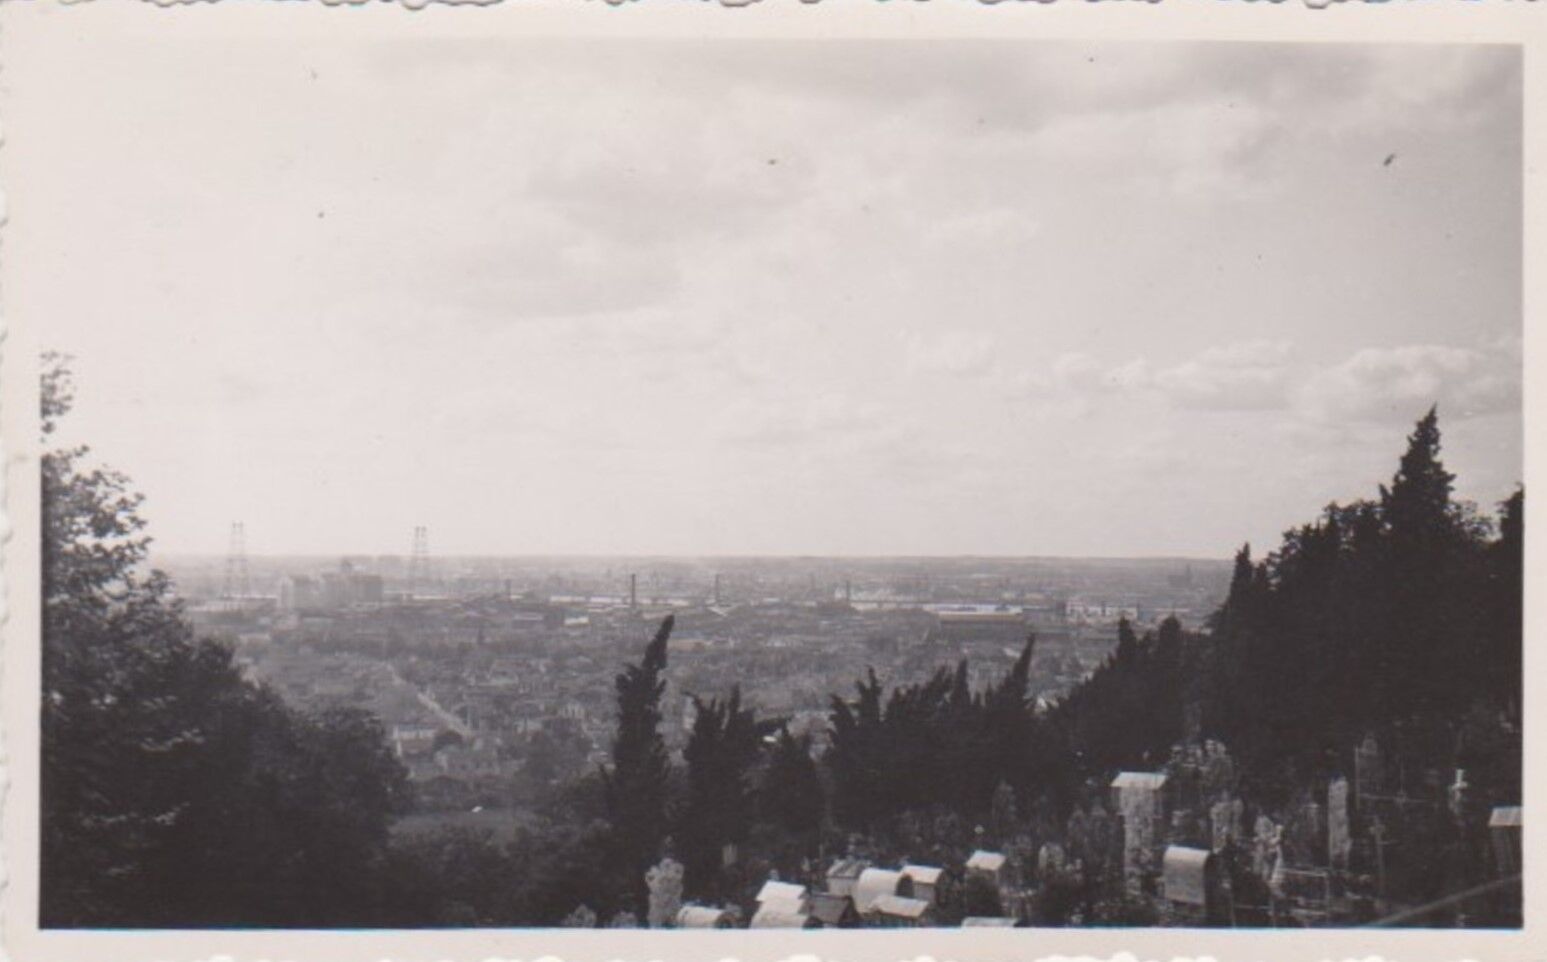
(770, 483)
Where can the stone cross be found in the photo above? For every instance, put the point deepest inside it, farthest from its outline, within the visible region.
(665, 882)
(1262, 847)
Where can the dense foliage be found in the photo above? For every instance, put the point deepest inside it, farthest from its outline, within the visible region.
(636, 785)
(1399, 615)
(935, 742)
(174, 792)
(722, 750)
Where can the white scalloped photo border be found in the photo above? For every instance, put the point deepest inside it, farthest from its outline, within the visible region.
(1398, 21)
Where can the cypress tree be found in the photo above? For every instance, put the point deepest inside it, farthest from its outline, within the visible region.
(1421, 653)
(1417, 505)
(721, 751)
(1506, 591)
(855, 755)
(636, 783)
(1127, 641)
(791, 793)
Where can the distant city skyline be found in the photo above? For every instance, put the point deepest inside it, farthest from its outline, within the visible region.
(829, 299)
(335, 557)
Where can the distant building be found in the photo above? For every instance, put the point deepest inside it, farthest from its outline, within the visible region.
(967, 624)
(297, 592)
(410, 740)
(331, 590)
(1100, 612)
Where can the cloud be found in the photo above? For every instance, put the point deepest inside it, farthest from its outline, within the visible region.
(1072, 376)
(953, 352)
(1192, 149)
(1392, 383)
(1382, 385)
(1240, 377)
(651, 335)
(786, 421)
(1247, 376)
(562, 274)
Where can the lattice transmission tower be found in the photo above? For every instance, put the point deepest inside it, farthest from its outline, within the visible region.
(238, 583)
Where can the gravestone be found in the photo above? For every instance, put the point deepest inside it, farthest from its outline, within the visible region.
(1050, 862)
(1265, 842)
(1305, 834)
(1225, 823)
(1077, 835)
(1339, 837)
(582, 918)
(1106, 836)
(1218, 770)
(665, 882)
(1142, 806)
(1369, 772)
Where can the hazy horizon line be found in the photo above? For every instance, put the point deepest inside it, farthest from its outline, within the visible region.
(701, 557)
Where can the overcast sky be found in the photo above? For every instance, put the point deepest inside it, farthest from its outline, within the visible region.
(771, 297)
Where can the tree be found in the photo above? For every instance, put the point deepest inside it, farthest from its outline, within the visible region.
(106, 630)
(791, 794)
(1506, 592)
(1168, 644)
(636, 783)
(980, 897)
(1003, 820)
(1417, 505)
(855, 755)
(1423, 650)
(934, 743)
(1371, 616)
(1127, 641)
(450, 876)
(1005, 729)
(174, 792)
(722, 749)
